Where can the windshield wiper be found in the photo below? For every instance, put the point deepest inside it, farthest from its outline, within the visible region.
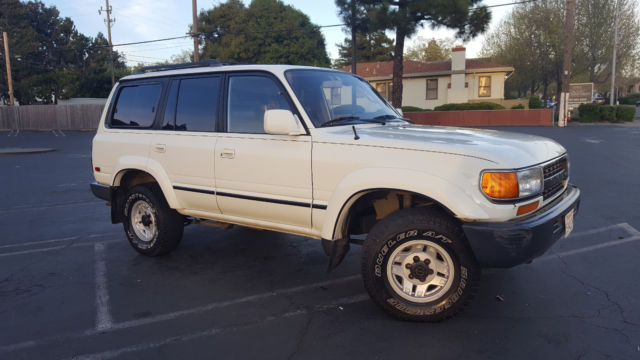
(390, 117)
(339, 120)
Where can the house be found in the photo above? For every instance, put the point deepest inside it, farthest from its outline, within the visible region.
(429, 84)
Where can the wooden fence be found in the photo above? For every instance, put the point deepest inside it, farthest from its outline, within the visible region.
(50, 117)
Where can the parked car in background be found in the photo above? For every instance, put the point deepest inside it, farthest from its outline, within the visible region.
(599, 100)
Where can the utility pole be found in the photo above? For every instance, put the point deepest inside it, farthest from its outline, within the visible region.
(108, 21)
(569, 41)
(354, 64)
(194, 31)
(6, 59)
(613, 61)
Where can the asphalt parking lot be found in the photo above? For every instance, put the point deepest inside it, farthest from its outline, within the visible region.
(71, 286)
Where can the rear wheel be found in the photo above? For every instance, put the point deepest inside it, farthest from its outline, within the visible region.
(417, 265)
(151, 226)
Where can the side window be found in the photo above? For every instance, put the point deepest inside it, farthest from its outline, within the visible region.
(197, 105)
(169, 118)
(136, 106)
(249, 98)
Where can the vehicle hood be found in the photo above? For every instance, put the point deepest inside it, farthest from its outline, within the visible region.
(505, 149)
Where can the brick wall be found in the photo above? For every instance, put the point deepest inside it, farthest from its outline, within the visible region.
(537, 117)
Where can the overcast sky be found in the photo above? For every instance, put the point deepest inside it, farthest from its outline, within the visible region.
(138, 20)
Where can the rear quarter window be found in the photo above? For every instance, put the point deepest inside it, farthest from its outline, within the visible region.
(136, 106)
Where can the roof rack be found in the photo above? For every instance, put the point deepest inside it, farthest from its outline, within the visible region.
(203, 63)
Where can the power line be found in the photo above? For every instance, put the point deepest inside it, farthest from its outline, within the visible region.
(509, 4)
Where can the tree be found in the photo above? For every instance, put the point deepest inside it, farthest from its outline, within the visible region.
(530, 39)
(267, 31)
(430, 50)
(50, 59)
(406, 16)
(371, 47)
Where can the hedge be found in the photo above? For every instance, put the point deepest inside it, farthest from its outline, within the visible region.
(625, 112)
(517, 107)
(470, 106)
(413, 109)
(607, 113)
(630, 99)
(535, 102)
(595, 112)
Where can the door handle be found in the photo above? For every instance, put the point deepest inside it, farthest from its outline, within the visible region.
(160, 148)
(228, 153)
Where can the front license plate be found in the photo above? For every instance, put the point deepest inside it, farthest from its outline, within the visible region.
(568, 223)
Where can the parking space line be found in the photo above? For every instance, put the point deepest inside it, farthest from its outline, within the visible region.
(110, 354)
(38, 242)
(630, 229)
(42, 242)
(23, 252)
(601, 229)
(589, 248)
(104, 321)
(108, 325)
(222, 304)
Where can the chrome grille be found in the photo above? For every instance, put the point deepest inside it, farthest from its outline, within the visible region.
(555, 175)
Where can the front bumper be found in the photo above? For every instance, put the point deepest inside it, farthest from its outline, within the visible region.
(510, 243)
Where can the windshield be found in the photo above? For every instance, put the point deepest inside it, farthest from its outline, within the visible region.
(334, 98)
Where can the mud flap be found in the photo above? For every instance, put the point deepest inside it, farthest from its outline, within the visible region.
(336, 251)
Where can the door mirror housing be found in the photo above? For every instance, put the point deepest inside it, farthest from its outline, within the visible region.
(282, 122)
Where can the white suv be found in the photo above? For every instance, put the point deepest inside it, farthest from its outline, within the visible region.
(319, 153)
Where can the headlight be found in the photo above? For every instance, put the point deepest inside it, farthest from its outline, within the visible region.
(512, 184)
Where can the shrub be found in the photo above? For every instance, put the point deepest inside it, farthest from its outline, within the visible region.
(630, 99)
(412, 109)
(535, 102)
(469, 106)
(625, 112)
(589, 112)
(517, 107)
(607, 113)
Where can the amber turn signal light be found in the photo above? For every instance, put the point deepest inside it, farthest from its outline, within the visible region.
(525, 209)
(500, 185)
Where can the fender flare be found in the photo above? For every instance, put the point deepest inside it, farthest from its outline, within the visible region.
(362, 181)
(154, 169)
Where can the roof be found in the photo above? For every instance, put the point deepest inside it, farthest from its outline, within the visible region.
(224, 67)
(384, 69)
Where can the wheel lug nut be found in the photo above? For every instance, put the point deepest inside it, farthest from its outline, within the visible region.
(408, 266)
(427, 261)
(410, 276)
(416, 259)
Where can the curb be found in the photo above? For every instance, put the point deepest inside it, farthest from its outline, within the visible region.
(14, 151)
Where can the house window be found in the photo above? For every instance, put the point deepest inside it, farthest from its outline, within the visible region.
(384, 88)
(484, 86)
(432, 89)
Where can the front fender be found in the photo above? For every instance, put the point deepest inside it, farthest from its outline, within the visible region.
(359, 182)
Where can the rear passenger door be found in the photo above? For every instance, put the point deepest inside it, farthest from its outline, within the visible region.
(258, 175)
(185, 140)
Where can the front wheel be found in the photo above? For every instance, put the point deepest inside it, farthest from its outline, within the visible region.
(151, 226)
(417, 265)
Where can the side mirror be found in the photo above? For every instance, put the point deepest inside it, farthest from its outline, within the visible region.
(282, 122)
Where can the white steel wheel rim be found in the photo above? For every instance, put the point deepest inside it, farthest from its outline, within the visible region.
(143, 221)
(414, 285)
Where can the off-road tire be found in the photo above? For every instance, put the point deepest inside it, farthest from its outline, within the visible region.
(417, 226)
(169, 224)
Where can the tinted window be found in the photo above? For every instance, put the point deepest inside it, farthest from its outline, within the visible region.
(169, 118)
(136, 106)
(197, 107)
(249, 98)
